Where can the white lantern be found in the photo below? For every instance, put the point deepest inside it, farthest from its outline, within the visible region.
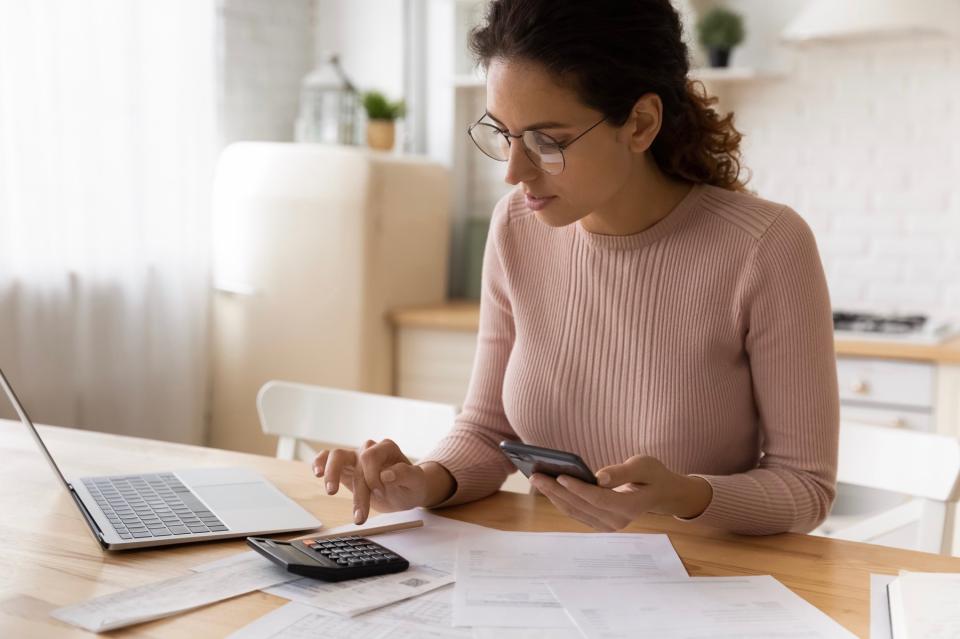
(329, 105)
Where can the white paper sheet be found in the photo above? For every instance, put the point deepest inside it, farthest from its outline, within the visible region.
(501, 576)
(880, 606)
(924, 604)
(164, 598)
(757, 607)
(427, 617)
(357, 596)
(526, 633)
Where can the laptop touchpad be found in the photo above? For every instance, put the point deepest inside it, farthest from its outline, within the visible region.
(252, 496)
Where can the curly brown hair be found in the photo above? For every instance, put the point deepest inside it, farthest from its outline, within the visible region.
(611, 52)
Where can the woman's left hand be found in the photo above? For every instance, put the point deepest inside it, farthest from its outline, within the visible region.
(626, 491)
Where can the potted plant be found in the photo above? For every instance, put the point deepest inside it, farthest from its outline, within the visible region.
(381, 114)
(719, 31)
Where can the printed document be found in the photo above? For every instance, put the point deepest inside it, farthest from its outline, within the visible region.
(427, 617)
(357, 596)
(501, 576)
(757, 607)
(171, 596)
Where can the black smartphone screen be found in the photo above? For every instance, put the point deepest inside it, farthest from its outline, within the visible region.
(548, 461)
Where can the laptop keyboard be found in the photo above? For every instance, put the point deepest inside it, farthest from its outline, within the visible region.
(145, 506)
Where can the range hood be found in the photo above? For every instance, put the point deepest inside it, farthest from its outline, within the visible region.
(824, 20)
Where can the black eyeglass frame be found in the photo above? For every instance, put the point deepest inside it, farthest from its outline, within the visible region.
(509, 136)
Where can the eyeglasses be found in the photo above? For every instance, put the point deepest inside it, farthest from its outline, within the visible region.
(545, 152)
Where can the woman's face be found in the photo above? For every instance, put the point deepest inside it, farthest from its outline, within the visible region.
(520, 96)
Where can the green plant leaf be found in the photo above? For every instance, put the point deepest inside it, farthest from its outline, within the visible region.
(721, 29)
(378, 107)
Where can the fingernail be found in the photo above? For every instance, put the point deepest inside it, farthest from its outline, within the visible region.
(356, 516)
(377, 493)
(388, 475)
(603, 478)
(329, 487)
(563, 481)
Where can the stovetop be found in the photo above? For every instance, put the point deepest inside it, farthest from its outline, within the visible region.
(894, 327)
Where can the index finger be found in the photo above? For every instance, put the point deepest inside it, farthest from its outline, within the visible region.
(361, 491)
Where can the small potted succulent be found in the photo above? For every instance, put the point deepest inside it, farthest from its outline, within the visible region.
(719, 31)
(381, 114)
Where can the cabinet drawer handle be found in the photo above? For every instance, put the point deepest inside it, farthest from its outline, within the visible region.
(860, 387)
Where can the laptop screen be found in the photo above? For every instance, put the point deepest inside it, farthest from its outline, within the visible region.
(26, 421)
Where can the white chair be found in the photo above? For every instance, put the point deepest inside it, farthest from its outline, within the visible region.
(922, 466)
(296, 412)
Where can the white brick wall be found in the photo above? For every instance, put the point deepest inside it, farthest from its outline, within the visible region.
(862, 139)
(265, 49)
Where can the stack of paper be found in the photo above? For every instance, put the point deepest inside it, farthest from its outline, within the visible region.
(924, 604)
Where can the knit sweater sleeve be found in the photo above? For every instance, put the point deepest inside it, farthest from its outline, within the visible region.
(785, 311)
(470, 452)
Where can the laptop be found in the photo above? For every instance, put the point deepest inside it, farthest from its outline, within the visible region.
(159, 509)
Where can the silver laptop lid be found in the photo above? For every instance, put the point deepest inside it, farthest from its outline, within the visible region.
(33, 430)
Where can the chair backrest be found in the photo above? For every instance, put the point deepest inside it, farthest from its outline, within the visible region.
(345, 418)
(904, 461)
(924, 466)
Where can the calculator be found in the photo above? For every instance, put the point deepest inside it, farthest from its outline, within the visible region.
(334, 559)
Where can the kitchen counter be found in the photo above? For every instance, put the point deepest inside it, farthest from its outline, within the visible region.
(464, 316)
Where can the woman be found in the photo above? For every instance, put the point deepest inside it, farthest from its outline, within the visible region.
(639, 307)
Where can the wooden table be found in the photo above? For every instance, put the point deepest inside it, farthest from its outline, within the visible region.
(48, 558)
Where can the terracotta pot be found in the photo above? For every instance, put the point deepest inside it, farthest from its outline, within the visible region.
(380, 134)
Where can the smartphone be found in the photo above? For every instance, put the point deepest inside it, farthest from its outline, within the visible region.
(548, 461)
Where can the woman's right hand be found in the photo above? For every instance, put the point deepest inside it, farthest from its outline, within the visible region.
(378, 473)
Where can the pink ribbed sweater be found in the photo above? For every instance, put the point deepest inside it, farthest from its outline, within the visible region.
(705, 341)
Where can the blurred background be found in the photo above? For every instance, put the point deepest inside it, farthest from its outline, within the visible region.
(197, 196)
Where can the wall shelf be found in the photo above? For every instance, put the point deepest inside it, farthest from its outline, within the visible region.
(734, 74)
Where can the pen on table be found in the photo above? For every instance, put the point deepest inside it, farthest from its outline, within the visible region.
(367, 532)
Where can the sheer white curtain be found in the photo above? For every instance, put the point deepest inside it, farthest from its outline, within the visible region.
(107, 142)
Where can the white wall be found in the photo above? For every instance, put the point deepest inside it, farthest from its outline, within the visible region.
(863, 139)
(368, 35)
(266, 47)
